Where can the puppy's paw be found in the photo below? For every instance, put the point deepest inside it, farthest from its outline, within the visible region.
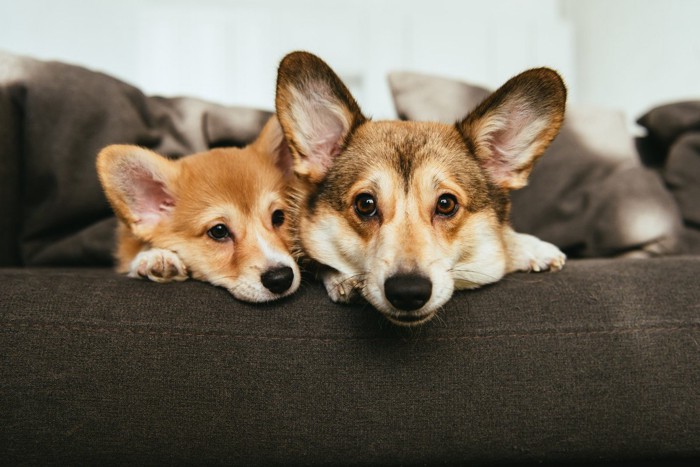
(340, 287)
(158, 265)
(529, 253)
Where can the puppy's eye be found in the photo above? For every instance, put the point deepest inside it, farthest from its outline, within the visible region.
(219, 232)
(365, 205)
(277, 217)
(446, 205)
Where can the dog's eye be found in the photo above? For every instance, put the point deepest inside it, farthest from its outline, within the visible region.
(219, 232)
(446, 205)
(365, 205)
(277, 217)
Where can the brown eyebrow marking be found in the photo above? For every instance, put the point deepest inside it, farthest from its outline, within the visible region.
(437, 181)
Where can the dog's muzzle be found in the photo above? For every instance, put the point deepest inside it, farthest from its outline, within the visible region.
(407, 293)
(278, 280)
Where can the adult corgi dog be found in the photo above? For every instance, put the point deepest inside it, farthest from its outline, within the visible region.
(404, 213)
(218, 216)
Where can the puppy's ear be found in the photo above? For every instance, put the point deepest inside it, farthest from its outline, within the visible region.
(139, 186)
(316, 111)
(272, 143)
(512, 127)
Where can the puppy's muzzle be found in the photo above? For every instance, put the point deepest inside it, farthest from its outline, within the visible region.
(278, 280)
(407, 293)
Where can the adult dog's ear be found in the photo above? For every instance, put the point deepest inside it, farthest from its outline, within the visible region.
(316, 111)
(139, 185)
(513, 126)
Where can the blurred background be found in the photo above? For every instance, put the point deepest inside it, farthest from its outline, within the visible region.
(628, 55)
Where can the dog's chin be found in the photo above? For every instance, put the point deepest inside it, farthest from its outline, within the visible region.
(254, 292)
(257, 294)
(402, 317)
(406, 318)
(409, 319)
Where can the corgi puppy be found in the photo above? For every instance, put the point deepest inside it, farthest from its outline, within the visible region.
(218, 216)
(404, 213)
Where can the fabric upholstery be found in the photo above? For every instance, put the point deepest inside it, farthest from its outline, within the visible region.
(588, 194)
(596, 362)
(10, 216)
(672, 145)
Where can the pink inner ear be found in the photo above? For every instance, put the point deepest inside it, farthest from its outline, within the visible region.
(325, 149)
(511, 145)
(284, 160)
(500, 172)
(504, 152)
(321, 129)
(150, 200)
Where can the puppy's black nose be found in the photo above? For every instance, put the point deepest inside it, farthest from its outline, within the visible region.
(278, 280)
(408, 292)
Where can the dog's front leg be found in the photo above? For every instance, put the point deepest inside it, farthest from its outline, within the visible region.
(529, 253)
(158, 265)
(341, 287)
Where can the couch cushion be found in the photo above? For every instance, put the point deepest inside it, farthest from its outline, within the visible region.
(599, 361)
(673, 145)
(588, 194)
(66, 114)
(10, 216)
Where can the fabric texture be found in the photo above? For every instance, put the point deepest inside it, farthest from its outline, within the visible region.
(672, 145)
(55, 118)
(596, 362)
(589, 194)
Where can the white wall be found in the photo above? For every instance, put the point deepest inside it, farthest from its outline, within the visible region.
(228, 51)
(633, 54)
(626, 54)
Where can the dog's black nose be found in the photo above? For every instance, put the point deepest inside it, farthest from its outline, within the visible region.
(278, 280)
(408, 292)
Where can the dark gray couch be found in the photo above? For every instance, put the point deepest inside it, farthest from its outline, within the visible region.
(597, 363)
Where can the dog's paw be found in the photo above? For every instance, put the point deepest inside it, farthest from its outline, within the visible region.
(158, 265)
(340, 287)
(529, 253)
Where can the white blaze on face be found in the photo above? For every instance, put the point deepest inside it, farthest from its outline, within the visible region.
(249, 284)
(272, 256)
(407, 243)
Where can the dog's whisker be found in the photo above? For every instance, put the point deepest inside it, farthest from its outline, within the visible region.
(222, 277)
(304, 281)
(438, 317)
(471, 271)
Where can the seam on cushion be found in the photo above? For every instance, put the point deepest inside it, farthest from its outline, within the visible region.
(12, 326)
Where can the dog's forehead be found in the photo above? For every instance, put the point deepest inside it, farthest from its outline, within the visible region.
(404, 149)
(409, 137)
(230, 177)
(405, 156)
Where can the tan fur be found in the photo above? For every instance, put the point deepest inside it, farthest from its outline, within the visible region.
(406, 258)
(128, 246)
(239, 188)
